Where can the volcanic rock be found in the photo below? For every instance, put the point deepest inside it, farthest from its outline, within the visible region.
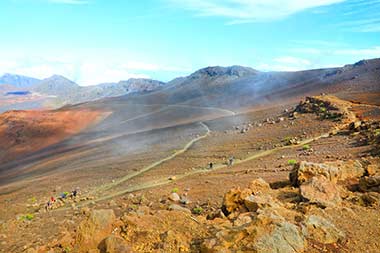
(259, 186)
(174, 197)
(94, 229)
(321, 191)
(332, 171)
(285, 238)
(322, 230)
(179, 208)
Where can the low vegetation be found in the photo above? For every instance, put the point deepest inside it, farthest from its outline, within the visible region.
(306, 147)
(197, 210)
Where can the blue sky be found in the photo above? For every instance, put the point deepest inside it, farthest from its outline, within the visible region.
(96, 41)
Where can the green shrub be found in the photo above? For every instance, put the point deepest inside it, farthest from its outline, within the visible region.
(28, 216)
(197, 210)
(175, 190)
(306, 147)
(292, 162)
(33, 199)
(322, 109)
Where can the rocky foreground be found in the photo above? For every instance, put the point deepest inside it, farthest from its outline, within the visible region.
(292, 216)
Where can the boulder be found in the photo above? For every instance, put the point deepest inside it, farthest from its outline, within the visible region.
(333, 171)
(322, 230)
(371, 183)
(179, 208)
(94, 229)
(285, 238)
(233, 201)
(255, 202)
(321, 191)
(259, 186)
(174, 197)
(114, 244)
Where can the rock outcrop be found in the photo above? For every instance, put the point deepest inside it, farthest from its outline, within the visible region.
(332, 171)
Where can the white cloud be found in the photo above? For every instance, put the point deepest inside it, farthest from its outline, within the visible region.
(137, 65)
(244, 11)
(365, 53)
(286, 63)
(292, 61)
(85, 70)
(99, 72)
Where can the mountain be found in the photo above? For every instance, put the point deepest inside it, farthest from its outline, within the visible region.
(129, 86)
(235, 87)
(18, 81)
(58, 86)
(68, 91)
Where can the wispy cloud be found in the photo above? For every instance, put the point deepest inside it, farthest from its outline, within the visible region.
(69, 1)
(286, 63)
(83, 69)
(246, 11)
(365, 52)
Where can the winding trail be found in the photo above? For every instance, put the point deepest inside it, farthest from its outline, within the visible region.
(165, 181)
(155, 164)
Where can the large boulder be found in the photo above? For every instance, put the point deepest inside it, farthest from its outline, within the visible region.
(247, 199)
(258, 186)
(323, 231)
(285, 238)
(268, 232)
(255, 202)
(320, 190)
(333, 171)
(371, 183)
(94, 229)
(233, 200)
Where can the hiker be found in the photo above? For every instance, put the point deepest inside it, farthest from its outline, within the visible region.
(48, 206)
(63, 195)
(210, 165)
(231, 161)
(74, 193)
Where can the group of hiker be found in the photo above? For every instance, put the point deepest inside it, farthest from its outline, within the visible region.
(64, 195)
(230, 162)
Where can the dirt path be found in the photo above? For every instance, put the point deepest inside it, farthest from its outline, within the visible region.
(155, 164)
(165, 181)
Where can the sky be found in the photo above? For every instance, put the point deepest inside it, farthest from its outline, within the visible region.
(96, 41)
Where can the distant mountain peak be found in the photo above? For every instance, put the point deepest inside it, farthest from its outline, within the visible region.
(18, 81)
